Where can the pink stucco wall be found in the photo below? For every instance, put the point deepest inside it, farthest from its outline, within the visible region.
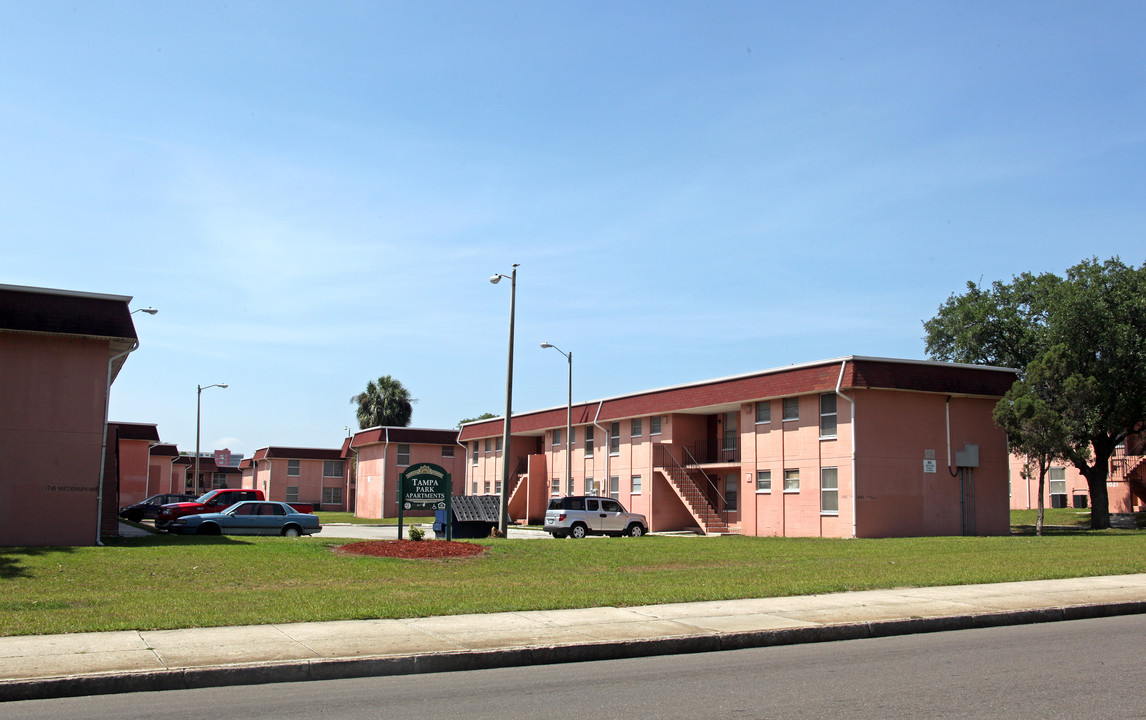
(895, 433)
(376, 488)
(51, 435)
(134, 471)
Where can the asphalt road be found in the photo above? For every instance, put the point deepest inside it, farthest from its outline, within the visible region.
(1081, 669)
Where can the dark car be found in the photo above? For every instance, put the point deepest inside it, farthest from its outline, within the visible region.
(250, 517)
(150, 507)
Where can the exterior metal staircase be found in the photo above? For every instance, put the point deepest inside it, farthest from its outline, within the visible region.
(682, 480)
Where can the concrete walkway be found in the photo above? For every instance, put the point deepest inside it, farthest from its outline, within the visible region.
(97, 663)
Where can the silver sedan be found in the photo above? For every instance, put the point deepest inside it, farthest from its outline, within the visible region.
(249, 517)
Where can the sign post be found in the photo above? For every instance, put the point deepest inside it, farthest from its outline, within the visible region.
(425, 485)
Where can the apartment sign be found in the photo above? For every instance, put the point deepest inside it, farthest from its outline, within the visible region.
(424, 486)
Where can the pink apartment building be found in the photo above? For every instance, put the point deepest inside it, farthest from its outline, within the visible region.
(850, 447)
(1066, 487)
(129, 448)
(162, 477)
(60, 352)
(314, 476)
(381, 454)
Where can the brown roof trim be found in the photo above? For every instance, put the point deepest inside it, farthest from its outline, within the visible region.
(817, 377)
(136, 431)
(406, 435)
(294, 453)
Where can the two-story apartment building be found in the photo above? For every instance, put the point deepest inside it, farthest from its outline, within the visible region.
(60, 352)
(849, 447)
(314, 476)
(381, 454)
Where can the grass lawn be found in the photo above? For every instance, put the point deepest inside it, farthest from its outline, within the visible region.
(348, 517)
(167, 581)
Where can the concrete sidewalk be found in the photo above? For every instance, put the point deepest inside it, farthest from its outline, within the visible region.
(98, 663)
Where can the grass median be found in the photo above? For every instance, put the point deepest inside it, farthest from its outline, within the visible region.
(163, 582)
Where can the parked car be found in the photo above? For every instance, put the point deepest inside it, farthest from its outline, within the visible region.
(149, 508)
(250, 517)
(579, 515)
(212, 502)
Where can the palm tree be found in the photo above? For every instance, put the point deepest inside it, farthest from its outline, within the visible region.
(385, 402)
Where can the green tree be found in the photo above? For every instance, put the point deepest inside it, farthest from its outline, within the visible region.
(483, 416)
(386, 402)
(1082, 337)
(1035, 431)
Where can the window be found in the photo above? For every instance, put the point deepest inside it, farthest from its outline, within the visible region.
(497, 444)
(829, 491)
(763, 412)
(589, 441)
(473, 487)
(763, 481)
(731, 486)
(403, 454)
(1057, 478)
(828, 415)
(636, 484)
(487, 444)
(611, 506)
(332, 468)
(615, 438)
(590, 489)
(487, 486)
(636, 427)
(556, 438)
(572, 436)
(292, 468)
(655, 425)
(447, 451)
(474, 458)
(218, 480)
(292, 493)
(614, 486)
(791, 409)
(555, 487)
(569, 486)
(791, 481)
(332, 496)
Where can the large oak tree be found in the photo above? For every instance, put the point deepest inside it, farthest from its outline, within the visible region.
(1079, 343)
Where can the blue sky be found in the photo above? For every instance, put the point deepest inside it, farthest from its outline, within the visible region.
(315, 194)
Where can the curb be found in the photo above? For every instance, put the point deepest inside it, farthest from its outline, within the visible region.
(346, 668)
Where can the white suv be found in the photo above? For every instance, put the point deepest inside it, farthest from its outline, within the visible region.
(580, 515)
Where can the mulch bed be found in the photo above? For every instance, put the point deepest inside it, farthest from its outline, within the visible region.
(412, 549)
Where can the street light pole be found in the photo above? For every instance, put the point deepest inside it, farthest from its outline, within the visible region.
(503, 515)
(568, 415)
(198, 417)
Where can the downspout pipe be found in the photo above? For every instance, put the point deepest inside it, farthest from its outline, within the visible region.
(855, 480)
(606, 434)
(385, 460)
(103, 448)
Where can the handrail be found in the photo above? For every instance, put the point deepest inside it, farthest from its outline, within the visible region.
(723, 502)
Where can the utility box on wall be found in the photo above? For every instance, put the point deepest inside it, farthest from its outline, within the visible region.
(967, 457)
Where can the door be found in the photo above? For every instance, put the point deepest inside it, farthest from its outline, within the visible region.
(731, 497)
(612, 516)
(730, 440)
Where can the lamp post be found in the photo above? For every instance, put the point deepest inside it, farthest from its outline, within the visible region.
(568, 415)
(198, 417)
(503, 515)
